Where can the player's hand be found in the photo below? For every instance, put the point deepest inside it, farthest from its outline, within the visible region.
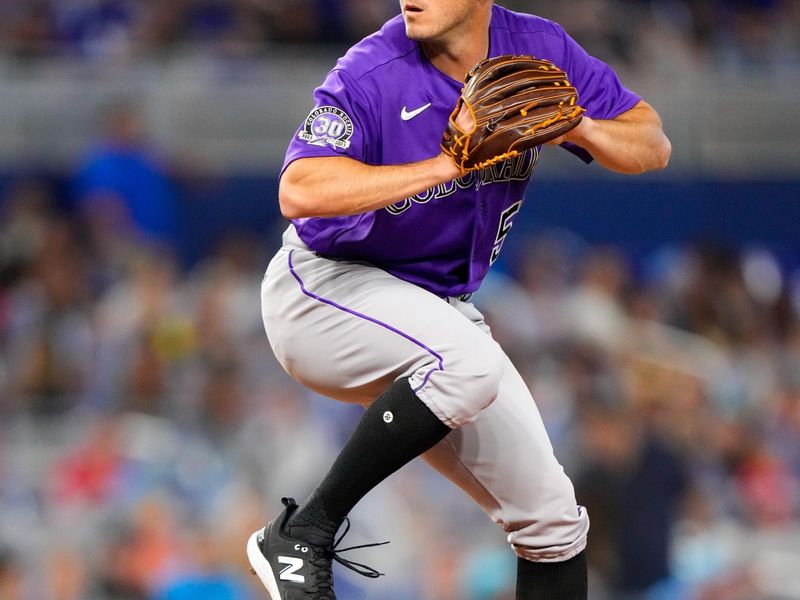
(575, 135)
(465, 122)
(464, 119)
(448, 169)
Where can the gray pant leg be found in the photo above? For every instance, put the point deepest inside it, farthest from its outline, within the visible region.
(505, 462)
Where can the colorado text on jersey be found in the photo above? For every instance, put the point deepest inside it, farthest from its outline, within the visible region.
(519, 168)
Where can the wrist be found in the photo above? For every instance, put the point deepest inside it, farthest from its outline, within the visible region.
(582, 132)
(445, 168)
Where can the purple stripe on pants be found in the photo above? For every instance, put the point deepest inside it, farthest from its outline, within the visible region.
(371, 320)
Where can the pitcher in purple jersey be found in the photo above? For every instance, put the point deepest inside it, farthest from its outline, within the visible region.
(367, 300)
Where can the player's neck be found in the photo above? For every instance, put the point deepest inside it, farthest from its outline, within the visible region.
(459, 50)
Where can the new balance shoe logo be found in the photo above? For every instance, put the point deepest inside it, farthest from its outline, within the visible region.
(408, 115)
(289, 572)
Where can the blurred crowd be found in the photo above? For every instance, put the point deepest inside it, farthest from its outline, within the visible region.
(632, 31)
(146, 429)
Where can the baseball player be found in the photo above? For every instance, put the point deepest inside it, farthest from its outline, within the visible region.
(368, 299)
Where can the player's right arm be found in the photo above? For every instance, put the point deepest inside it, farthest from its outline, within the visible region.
(338, 186)
(335, 186)
(331, 169)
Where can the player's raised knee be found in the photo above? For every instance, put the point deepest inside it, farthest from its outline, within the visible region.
(467, 383)
(483, 373)
(492, 369)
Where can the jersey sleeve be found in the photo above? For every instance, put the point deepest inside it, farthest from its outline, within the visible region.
(600, 91)
(338, 125)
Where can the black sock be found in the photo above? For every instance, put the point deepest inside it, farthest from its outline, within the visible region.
(396, 428)
(565, 580)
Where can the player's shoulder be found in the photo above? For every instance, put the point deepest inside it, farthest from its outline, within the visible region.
(517, 23)
(379, 51)
(521, 33)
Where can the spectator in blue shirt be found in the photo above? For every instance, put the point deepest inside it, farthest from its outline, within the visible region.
(122, 175)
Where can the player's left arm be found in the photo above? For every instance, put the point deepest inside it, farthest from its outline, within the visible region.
(632, 142)
(620, 130)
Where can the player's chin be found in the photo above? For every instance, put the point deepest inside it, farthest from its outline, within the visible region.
(414, 35)
(418, 33)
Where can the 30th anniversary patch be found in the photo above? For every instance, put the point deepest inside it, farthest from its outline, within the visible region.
(328, 125)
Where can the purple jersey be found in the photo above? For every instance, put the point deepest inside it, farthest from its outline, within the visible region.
(384, 103)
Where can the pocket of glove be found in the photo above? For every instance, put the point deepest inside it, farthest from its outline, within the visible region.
(517, 103)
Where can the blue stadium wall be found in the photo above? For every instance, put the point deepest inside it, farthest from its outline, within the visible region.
(636, 215)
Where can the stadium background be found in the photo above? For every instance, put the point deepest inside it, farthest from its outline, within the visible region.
(145, 429)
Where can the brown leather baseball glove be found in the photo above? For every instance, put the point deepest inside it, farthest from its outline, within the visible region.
(516, 103)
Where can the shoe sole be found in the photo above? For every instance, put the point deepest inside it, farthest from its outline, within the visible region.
(260, 566)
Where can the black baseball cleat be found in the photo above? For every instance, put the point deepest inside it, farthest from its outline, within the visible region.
(293, 569)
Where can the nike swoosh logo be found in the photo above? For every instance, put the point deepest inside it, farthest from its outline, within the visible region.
(407, 116)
